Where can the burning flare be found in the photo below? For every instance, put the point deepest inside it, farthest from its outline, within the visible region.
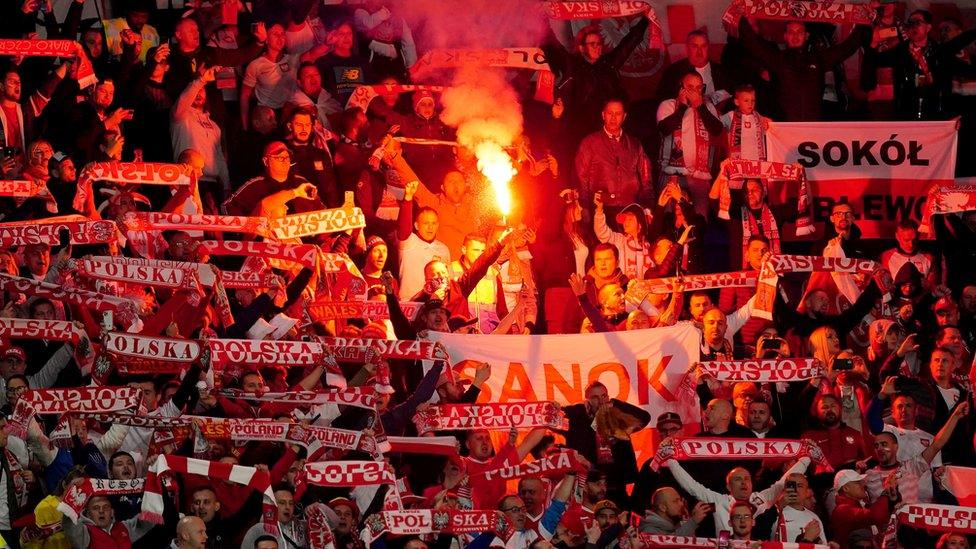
(495, 164)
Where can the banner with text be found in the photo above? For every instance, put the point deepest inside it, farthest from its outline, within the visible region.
(648, 368)
(882, 169)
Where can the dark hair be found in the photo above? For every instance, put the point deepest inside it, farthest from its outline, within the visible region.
(37, 303)
(926, 15)
(424, 210)
(757, 238)
(21, 377)
(206, 487)
(696, 32)
(587, 31)
(307, 111)
(119, 454)
(604, 246)
(265, 537)
(743, 88)
(907, 224)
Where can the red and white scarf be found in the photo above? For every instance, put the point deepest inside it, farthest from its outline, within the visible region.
(74, 500)
(687, 542)
(765, 302)
(442, 446)
(302, 254)
(759, 370)
(65, 401)
(491, 416)
(738, 170)
(318, 222)
(941, 518)
(313, 438)
(690, 147)
(434, 521)
(362, 96)
(343, 474)
(143, 275)
(123, 309)
(151, 349)
(319, 534)
(68, 49)
(639, 289)
(47, 330)
(575, 11)
(158, 221)
(554, 465)
(785, 263)
(766, 226)
(354, 349)
(260, 352)
(738, 448)
(253, 280)
(800, 10)
(152, 498)
(360, 397)
(369, 310)
(21, 188)
(48, 231)
(512, 58)
(129, 173)
(735, 134)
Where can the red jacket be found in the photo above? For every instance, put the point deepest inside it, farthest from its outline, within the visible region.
(850, 515)
(118, 538)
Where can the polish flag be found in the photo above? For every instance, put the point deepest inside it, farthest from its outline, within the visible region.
(961, 482)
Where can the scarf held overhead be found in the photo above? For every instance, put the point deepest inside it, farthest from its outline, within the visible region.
(491, 416)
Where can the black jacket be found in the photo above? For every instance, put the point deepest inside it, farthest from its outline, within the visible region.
(671, 79)
(798, 73)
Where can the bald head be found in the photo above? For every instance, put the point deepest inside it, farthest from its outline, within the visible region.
(191, 533)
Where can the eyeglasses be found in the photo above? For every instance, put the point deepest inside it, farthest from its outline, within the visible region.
(516, 509)
(284, 157)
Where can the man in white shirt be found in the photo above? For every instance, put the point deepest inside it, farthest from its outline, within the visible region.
(739, 484)
(270, 78)
(796, 522)
(419, 246)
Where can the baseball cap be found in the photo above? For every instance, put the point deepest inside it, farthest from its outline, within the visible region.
(669, 418)
(595, 475)
(274, 148)
(16, 352)
(421, 96)
(845, 476)
(944, 304)
(373, 242)
(605, 504)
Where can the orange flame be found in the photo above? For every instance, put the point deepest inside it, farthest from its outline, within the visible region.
(496, 165)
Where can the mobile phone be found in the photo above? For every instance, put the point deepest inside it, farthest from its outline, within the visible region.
(843, 364)
(10, 152)
(888, 32)
(64, 238)
(791, 485)
(723, 539)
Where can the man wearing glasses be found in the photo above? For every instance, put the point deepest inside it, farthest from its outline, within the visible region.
(277, 192)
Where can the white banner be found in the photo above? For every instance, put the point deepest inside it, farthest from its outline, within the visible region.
(643, 367)
(882, 169)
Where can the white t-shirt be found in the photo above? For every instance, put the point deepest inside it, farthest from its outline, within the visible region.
(796, 520)
(274, 83)
(751, 128)
(950, 396)
(415, 254)
(912, 442)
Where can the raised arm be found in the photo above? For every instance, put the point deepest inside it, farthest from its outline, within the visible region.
(945, 433)
(691, 485)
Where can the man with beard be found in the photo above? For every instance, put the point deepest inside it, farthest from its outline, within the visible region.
(277, 192)
(205, 505)
(913, 475)
(192, 127)
(840, 443)
(668, 514)
(312, 161)
(904, 412)
(89, 122)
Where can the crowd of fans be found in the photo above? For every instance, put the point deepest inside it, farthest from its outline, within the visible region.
(608, 191)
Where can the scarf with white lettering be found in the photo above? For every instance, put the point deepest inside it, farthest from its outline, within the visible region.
(319, 534)
(443, 446)
(513, 58)
(435, 521)
(637, 290)
(47, 231)
(313, 438)
(800, 10)
(765, 301)
(554, 465)
(766, 226)
(343, 474)
(74, 500)
(737, 170)
(47, 330)
(362, 96)
(735, 134)
(354, 349)
(143, 275)
(490, 416)
(738, 448)
(941, 518)
(762, 370)
(687, 542)
(152, 498)
(68, 49)
(285, 255)
(128, 173)
(318, 222)
(124, 309)
(609, 8)
(360, 397)
(21, 188)
(65, 401)
(369, 310)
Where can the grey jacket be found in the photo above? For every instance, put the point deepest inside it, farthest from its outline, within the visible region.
(653, 523)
